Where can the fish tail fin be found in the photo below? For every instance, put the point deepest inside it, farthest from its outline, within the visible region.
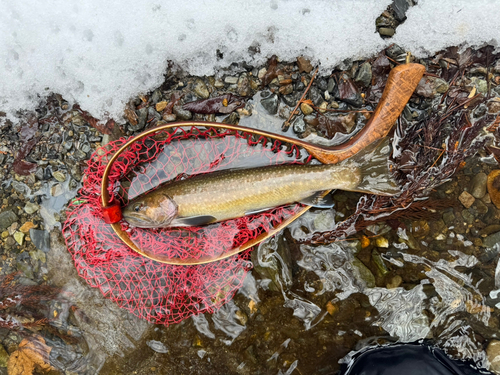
(374, 169)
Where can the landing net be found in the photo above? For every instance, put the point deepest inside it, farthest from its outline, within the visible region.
(158, 292)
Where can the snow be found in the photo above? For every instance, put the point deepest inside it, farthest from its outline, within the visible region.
(100, 54)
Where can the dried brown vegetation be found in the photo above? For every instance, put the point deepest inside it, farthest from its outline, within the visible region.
(428, 151)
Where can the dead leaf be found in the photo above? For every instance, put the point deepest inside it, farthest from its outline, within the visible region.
(32, 353)
(329, 126)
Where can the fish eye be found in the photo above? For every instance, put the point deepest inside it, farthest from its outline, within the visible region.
(137, 207)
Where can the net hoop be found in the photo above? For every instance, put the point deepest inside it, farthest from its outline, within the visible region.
(107, 201)
(401, 83)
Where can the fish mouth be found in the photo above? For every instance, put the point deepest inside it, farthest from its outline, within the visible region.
(138, 222)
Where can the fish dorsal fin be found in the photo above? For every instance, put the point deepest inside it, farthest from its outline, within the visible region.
(318, 200)
(192, 221)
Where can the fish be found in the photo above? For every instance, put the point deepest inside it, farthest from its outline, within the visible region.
(228, 194)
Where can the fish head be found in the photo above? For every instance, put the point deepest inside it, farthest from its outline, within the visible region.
(150, 211)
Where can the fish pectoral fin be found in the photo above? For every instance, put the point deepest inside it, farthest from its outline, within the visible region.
(258, 211)
(319, 200)
(192, 221)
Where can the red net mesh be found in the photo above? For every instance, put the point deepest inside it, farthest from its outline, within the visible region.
(159, 292)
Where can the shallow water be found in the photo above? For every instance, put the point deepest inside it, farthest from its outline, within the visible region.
(304, 309)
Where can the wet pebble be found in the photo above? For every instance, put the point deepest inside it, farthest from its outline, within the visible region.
(80, 154)
(231, 80)
(182, 114)
(289, 100)
(56, 190)
(491, 240)
(299, 126)
(286, 90)
(468, 216)
(304, 64)
(449, 218)
(169, 117)
(494, 106)
(386, 31)
(331, 85)
(270, 104)
(19, 237)
(142, 115)
(382, 242)
(364, 75)
(244, 87)
(364, 273)
(395, 52)
(466, 199)
(218, 84)
(420, 228)
(489, 230)
(400, 7)
(395, 282)
(478, 185)
(40, 239)
(200, 89)
(25, 228)
(7, 218)
(47, 173)
(10, 241)
(59, 176)
(493, 353)
(306, 109)
(156, 97)
(316, 97)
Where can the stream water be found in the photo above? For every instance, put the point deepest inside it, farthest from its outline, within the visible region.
(306, 309)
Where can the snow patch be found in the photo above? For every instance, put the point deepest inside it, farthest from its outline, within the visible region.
(100, 54)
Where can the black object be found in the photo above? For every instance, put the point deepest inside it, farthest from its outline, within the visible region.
(408, 359)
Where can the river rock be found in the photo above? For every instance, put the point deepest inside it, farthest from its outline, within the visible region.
(364, 74)
(6, 219)
(200, 89)
(395, 282)
(493, 186)
(400, 7)
(40, 239)
(478, 185)
(315, 96)
(386, 31)
(286, 90)
(25, 228)
(364, 273)
(231, 80)
(19, 237)
(181, 113)
(60, 176)
(466, 199)
(493, 228)
(299, 126)
(270, 104)
(304, 64)
(493, 353)
(491, 240)
(306, 109)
